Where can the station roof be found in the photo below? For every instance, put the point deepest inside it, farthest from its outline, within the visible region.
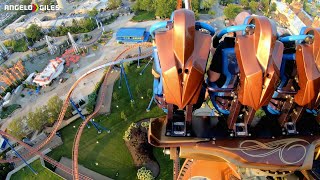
(131, 31)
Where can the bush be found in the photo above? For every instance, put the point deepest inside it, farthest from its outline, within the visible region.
(115, 96)
(6, 111)
(91, 102)
(127, 133)
(145, 124)
(144, 174)
(86, 38)
(70, 70)
(94, 47)
(17, 45)
(8, 89)
(22, 95)
(212, 13)
(30, 86)
(98, 85)
(123, 116)
(260, 113)
(232, 10)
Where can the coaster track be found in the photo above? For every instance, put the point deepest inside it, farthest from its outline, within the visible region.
(46, 158)
(35, 150)
(75, 151)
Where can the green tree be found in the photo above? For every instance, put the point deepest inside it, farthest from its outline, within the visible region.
(146, 5)
(16, 128)
(113, 4)
(195, 5)
(273, 7)
(136, 6)
(207, 4)
(226, 2)
(308, 9)
(87, 24)
(5, 168)
(54, 106)
(231, 11)
(289, 1)
(34, 32)
(75, 23)
(37, 119)
(46, 3)
(260, 113)
(93, 12)
(144, 174)
(253, 6)
(266, 5)
(165, 8)
(244, 3)
(24, 2)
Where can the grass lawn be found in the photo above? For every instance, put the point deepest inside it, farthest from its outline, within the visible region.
(143, 16)
(166, 164)
(43, 173)
(109, 150)
(8, 110)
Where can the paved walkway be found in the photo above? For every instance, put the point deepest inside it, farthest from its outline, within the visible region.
(106, 104)
(67, 162)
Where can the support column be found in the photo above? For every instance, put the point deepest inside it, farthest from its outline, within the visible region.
(120, 80)
(16, 152)
(145, 67)
(285, 111)
(234, 112)
(78, 111)
(297, 114)
(174, 155)
(150, 103)
(139, 54)
(249, 116)
(127, 83)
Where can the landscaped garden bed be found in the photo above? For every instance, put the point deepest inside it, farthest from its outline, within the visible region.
(136, 138)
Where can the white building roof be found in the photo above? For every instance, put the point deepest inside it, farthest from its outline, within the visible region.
(48, 71)
(39, 19)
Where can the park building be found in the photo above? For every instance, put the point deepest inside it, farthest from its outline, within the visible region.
(85, 7)
(132, 35)
(44, 20)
